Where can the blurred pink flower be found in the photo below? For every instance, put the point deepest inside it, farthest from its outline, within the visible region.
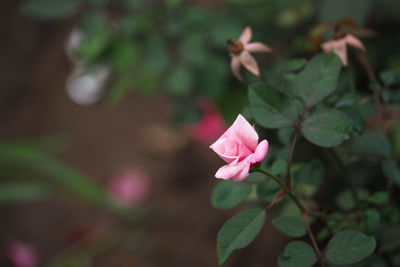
(240, 52)
(22, 254)
(239, 147)
(210, 126)
(130, 187)
(339, 46)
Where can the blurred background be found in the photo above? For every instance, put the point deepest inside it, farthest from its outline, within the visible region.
(107, 109)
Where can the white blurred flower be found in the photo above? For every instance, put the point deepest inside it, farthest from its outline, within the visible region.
(86, 87)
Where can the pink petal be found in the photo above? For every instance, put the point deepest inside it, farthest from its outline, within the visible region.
(338, 47)
(257, 47)
(328, 46)
(245, 36)
(242, 129)
(235, 67)
(341, 50)
(219, 148)
(351, 40)
(236, 170)
(249, 62)
(260, 153)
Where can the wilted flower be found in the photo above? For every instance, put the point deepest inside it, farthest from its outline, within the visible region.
(22, 254)
(130, 187)
(339, 46)
(210, 126)
(240, 52)
(239, 147)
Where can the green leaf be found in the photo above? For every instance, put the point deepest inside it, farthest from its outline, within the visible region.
(335, 10)
(372, 144)
(318, 79)
(379, 197)
(229, 194)
(390, 77)
(179, 81)
(371, 220)
(267, 190)
(17, 156)
(17, 192)
(391, 170)
(326, 128)
(349, 246)
(271, 109)
(239, 231)
(279, 166)
(345, 199)
(50, 9)
(297, 254)
(290, 226)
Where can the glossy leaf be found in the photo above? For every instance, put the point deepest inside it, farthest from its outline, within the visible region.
(326, 128)
(296, 254)
(318, 79)
(239, 231)
(229, 194)
(290, 226)
(349, 246)
(271, 109)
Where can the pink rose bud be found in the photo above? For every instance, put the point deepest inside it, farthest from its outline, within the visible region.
(131, 187)
(239, 147)
(210, 126)
(22, 254)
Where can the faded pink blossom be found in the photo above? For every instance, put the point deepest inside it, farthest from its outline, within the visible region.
(210, 126)
(130, 187)
(22, 254)
(339, 46)
(240, 52)
(239, 147)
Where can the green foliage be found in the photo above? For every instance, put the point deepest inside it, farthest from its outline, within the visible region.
(49, 9)
(391, 171)
(267, 190)
(57, 171)
(290, 226)
(239, 231)
(22, 192)
(318, 79)
(326, 128)
(296, 254)
(349, 246)
(270, 108)
(229, 194)
(372, 144)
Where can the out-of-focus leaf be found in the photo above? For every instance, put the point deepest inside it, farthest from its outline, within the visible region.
(391, 170)
(371, 220)
(345, 199)
(20, 192)
(50, 9)
(378, 197)
(335, 10)
(326, 128)
(355, 116)
(308, 179)
(239, 231)
(179, 81)
(124, 53)
(372, 144)
(390, 77)
(24, 157)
